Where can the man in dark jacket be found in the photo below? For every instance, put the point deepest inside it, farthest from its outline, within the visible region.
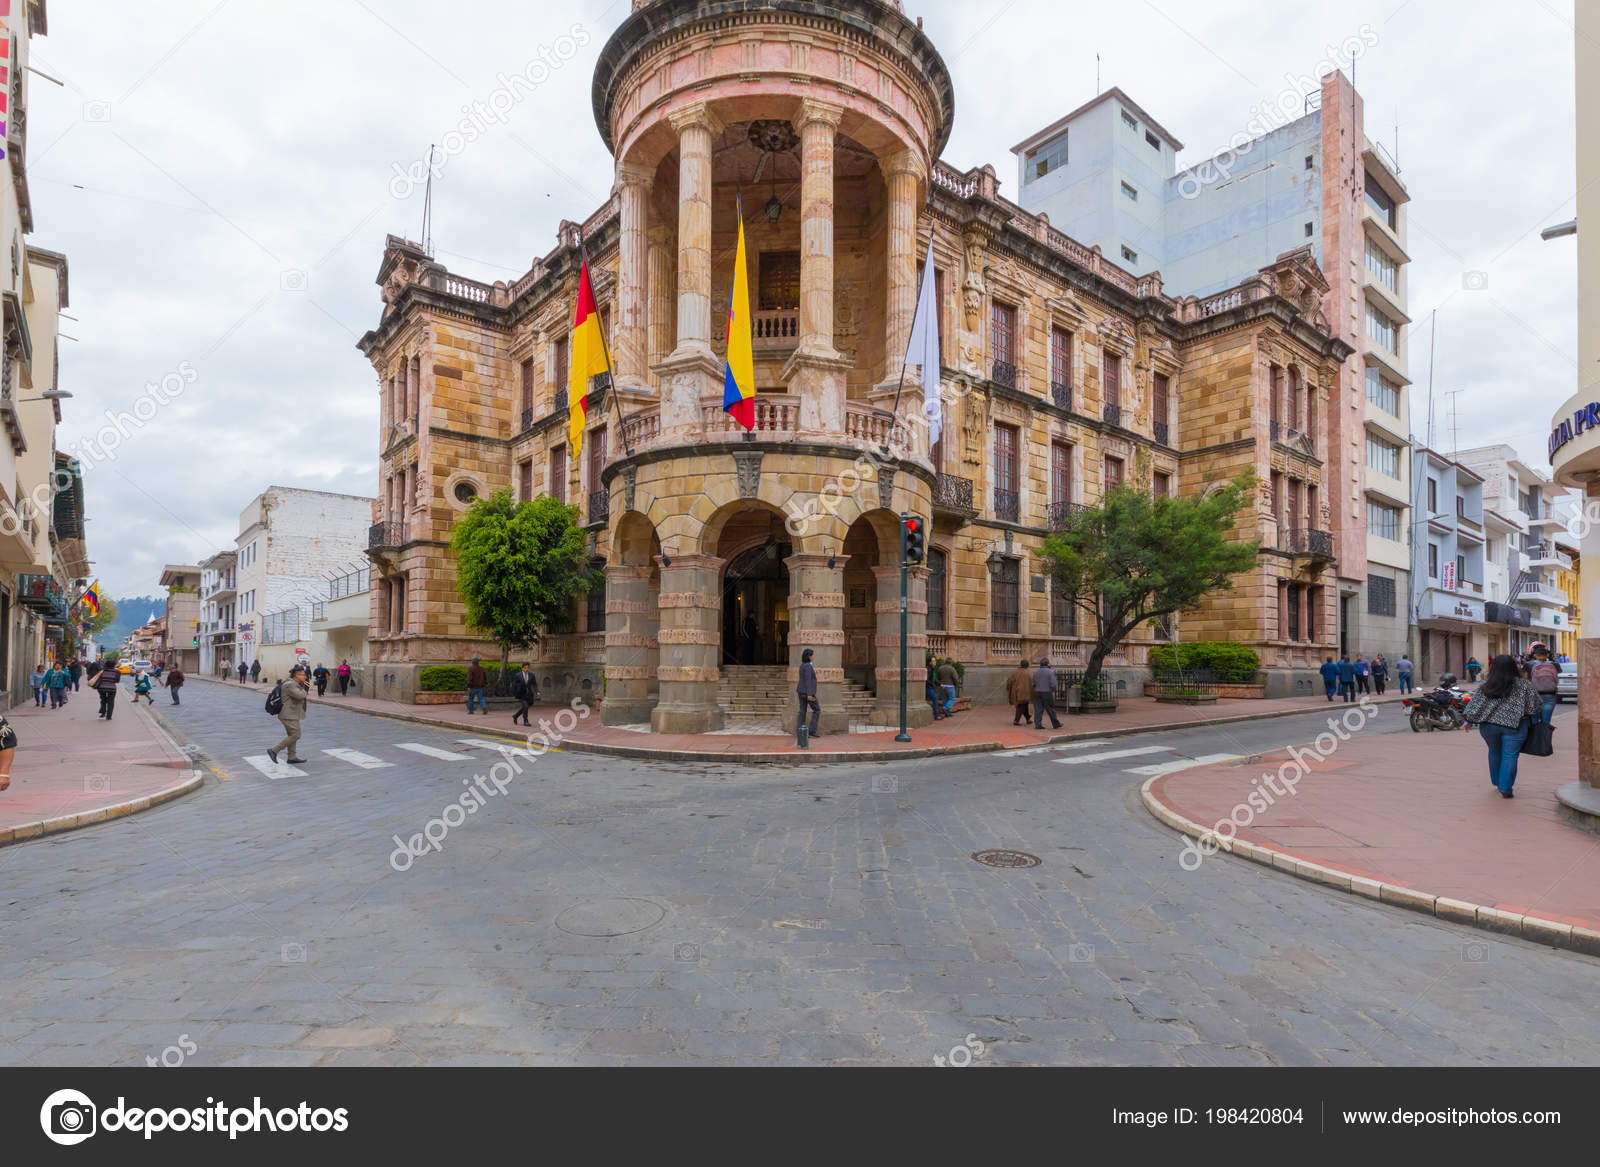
(75, 671)
(106, 683)
(174, 682)
(244, 671)
(1347, 679)
(477, 682)
(1019, 692)
(1330, 677)
(255, 671)
(1044, 695)
(806, 690)
(526, 690)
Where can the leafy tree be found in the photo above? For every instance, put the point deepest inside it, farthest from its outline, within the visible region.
(103, 619)
(1136, 558)
(519, 567)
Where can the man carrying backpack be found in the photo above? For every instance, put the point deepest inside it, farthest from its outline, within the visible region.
(291, 711)
(106, 682)
(1543, 671)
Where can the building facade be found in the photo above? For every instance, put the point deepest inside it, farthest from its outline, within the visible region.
(183, 584)
(219, 598)
(1107, 174)
(1447, 572)
(1063, 374)
(339, 626)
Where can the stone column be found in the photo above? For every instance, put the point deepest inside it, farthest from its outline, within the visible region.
(816, 371)
(886, 708)
(631, 650)
(690, 636)
(633, 264)
(692, 371)
(816, 621)
(661, 298)
(901, 172)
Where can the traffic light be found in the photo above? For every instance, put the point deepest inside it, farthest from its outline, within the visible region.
(914, 539)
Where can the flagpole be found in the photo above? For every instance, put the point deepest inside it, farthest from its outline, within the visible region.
(605, 351)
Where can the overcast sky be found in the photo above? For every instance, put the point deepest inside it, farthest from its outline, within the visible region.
(220, 176)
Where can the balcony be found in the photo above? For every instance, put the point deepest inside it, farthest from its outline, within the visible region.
(1544, 518)
(559, 404)
(599, 507)
(1306, 541)
(953, 496)
(775, 329)
(1537, 592)
(1162, 433)
(1007, 505)
(1112, 414)
(1546, 555)
(386, 536)
(527, 421)
(1004, 373)
(1061, 394)
(1058, 513)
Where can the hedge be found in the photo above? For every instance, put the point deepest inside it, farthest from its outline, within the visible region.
(1229, 661)
(453, 678)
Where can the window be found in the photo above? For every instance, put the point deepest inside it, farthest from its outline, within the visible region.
(595, 600)
(1382, 392)
(1383, 521)
(1006, 505)
(1111, 378)
(1161, 485)
(1382, 456)
(1461, 570)
(1381, 329)
(597, 456)
(779, 281)
(1313, 606)
(525, 480)
(1050, 156)
(1129, 254)
(938, 307)
(1309, 228)
(1433, 561)
(1277, 494)
(1292, 599)
(1433, 497)
(466, 493)
(1380, 595)
(1275, 393)
(1129, 190)
(1003, 332)
(1383, 270)
(1129, 120)
(1060, 472)
(558, 474)
(527, 385)
(1152, 141)
(936, 580)
(1309, 162)
(1160, 411)
(1379, 200)
(1003, 597)
(1063, 612)
(563, 364)
(1113, 473)
(1061, 360)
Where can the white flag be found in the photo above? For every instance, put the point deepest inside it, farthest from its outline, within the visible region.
(923, 349)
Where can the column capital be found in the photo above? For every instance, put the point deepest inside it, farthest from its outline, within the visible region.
(887, 571)
(696, 113)
(812, 110)
(903, 162)
(633, 174)
(805, 559)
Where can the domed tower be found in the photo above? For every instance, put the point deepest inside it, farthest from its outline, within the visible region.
(820, 123)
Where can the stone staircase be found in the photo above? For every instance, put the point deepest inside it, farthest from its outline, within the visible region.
(766, 691)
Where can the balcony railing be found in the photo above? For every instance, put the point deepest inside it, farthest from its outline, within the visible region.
(1306, 541)
(1546, 555)
(599, 506)
(1061, 394)
(1004, 373)
(559, 404)
(953, 494)
(319, 610)
(1059, 512)
(1162, 433)
(1112, 414)
(387, 535)
(527, 420)
(1007, 505)
(776, 329)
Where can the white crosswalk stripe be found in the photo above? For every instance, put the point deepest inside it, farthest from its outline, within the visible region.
(1182, 764)
(280, 770)
(433, 752)
(498, 747)
(357, 758)
(1109, 755)
(1029, 751)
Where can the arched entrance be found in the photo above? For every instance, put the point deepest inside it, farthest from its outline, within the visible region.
(755, 606)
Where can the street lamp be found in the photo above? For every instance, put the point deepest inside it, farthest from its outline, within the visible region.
(47, 395)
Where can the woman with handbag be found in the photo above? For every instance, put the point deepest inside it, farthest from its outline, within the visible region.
(1503, 709)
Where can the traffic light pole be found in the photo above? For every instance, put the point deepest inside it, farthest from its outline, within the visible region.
(902, 736)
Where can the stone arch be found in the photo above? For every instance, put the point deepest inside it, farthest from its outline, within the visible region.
(635, 542)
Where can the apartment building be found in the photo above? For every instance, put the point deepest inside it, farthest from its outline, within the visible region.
(182, 648)
(219, 597)
(1107, 174)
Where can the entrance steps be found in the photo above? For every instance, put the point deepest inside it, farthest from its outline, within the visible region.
(767, 691)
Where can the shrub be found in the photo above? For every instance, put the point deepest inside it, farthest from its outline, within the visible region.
(1229, 661)
(443, 679)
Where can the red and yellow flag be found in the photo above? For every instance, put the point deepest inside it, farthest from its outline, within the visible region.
(588, 359)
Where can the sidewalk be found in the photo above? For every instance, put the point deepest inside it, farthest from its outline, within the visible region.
(983, 728)
(73, 769)
(1411, 819)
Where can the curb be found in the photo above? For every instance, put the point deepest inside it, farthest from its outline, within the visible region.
(1534, 928)
(100, 814)
(648, 753)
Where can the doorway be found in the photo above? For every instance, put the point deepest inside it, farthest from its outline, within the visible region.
(755, 607)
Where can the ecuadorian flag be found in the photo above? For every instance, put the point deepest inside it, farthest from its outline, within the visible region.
(739, 382)
(91, 599)
(588, 359)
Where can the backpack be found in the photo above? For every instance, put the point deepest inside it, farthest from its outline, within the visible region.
(275, 699)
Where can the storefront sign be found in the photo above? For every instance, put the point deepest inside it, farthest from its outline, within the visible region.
(1582, 419)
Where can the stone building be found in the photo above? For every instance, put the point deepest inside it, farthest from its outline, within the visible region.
(1062, 374)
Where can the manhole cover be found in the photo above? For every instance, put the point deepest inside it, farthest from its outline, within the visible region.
(610, 917)
(1007, 859)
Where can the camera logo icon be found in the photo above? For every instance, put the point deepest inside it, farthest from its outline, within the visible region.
(97, 784)
(1475, 281)
(293, 952)
(294, 280)
(689, 953)
(1475, 952)
(68, 1117)
(885, 784)
(1080, 954)
(97, 111)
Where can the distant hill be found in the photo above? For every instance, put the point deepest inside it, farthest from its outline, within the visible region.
(132, 612)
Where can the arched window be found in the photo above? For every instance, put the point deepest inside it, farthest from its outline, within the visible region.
(936, 589)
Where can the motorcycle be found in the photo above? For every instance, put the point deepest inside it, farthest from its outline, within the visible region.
(1443, 707)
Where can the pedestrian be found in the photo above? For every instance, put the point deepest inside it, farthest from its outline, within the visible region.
(1380, 673)
(930, 686)
(1543, 671)
(141, 688)
(8, 751)
(294, 692)
(321, 675)
(344, 677)
(526, 690)
(1363, 672)
(1044, 695)
(56, 681)
(174, 682)
(1347, 679)
(477, 682)
(255, 672)
(244, 671)
(1330, 677)
(948, 679)
(806, 690)
(1474, 667)
(1503, 709)
(40, 690)
(75, 671)
(106, 683)
(750, 631)
(1403, 671)
(1019, 692)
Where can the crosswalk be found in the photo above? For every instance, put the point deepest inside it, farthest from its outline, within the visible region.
(364, 761)
(1071, 754)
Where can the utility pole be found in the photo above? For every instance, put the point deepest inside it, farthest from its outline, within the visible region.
(903, 736)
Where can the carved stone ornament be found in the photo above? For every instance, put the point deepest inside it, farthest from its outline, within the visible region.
(886, 489)
(747, 464)
(972, 431)
(629, 482)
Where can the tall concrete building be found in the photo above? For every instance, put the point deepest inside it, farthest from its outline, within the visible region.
(1107, 174)
(219, 598)
(182, 648)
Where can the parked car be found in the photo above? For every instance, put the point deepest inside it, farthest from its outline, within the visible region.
(1567, 682)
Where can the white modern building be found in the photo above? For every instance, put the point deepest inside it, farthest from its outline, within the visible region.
(219, 592)
(1447, 572)
(339, 627)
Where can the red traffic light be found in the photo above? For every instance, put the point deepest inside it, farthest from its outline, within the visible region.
(913, 524)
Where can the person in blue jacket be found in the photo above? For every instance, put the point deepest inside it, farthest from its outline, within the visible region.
(1347, 679)
(1330, 676)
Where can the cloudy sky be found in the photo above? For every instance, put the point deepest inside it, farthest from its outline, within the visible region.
(221, 176)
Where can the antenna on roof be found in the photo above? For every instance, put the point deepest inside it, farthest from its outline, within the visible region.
(1097, 73)
(427, 208)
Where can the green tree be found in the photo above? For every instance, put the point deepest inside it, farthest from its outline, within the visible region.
(1136, 558)
(103, 619)
(519, 567)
